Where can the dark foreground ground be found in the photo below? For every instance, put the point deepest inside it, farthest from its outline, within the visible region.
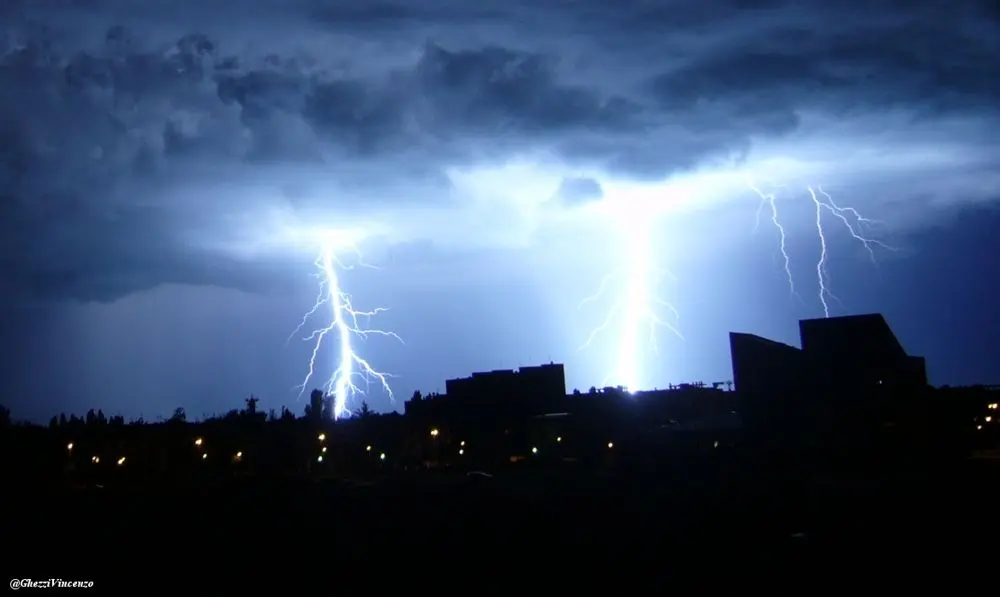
(537, 525)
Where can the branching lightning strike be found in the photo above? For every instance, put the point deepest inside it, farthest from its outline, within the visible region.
(636, 310)
(852, 220)
(347, 323)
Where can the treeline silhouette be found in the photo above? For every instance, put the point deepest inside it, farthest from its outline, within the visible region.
(840, 441)
(683, 427)
(607, 470)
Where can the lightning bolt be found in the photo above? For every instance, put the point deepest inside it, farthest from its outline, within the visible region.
(636, 310)
(850, 218)
(769, 200)
(347, 323)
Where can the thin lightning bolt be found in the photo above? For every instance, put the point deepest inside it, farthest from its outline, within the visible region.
(852, 220)
(822, 278)
(346, 322)
(636, 310)
(770, 200)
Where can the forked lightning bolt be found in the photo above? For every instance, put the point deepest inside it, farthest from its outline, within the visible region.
(346, 323)
(769, 200)
(636, 310)
(853, 221)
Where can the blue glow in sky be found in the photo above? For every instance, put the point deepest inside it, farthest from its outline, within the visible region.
(166, 168)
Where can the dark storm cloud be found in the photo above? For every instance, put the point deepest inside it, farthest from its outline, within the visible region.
(767, 79)
(489, 93)
(117, 116)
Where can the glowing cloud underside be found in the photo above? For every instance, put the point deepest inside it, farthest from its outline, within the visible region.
(637, 312)
(347, 324)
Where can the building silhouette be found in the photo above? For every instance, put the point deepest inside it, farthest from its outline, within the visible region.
(850, 375)
(497, 395)
(849, 395)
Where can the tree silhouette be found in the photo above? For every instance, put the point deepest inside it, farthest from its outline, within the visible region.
(4, 417)
(328, 408)
(417, 396)
(179, 416)
(365, 412)
(315, 409)
(252, 404)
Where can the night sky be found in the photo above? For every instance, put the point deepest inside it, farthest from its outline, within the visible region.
(169, 169)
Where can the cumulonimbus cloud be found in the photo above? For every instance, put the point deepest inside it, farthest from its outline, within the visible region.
(126, 131)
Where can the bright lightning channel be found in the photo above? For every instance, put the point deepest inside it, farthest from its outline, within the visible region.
(347, 323)
(849, 217)
(635, 312)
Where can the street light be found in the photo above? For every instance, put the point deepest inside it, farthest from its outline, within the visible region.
(381, 456)
(121, 461)
(368, 448)
(198, 442)
(611, 445)
(322, 437)
(69, 446)
(434, 432)
(534, 450)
